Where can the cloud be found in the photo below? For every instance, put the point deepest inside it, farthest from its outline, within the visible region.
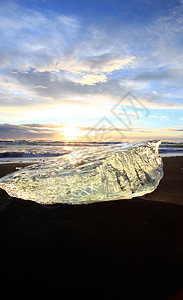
(54, 57)
(36, 37)
(173, 129)
(28, 131)
(92, 79)
(54, 132)
(53, 42)
(103, 128)
(164, 118)
(107, 63)
(33, 88)
(49, 59)
(166, 75)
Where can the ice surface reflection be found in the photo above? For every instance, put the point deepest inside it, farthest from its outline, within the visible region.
(101, 173)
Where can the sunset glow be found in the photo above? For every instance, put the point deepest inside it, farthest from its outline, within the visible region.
(70, 132)
(58, 65)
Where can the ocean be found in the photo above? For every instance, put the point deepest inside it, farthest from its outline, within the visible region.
(29, 151)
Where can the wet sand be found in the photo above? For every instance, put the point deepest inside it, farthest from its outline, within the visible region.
(126, 249)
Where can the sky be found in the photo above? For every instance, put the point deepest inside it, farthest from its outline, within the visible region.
(108, 70)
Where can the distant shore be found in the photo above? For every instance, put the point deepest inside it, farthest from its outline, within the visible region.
(129, 249)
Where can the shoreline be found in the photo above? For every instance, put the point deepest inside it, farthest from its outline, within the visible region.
(124, 249)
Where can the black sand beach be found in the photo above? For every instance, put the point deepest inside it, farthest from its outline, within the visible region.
(126, 249)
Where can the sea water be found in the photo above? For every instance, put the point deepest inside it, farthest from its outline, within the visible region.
(28, 151)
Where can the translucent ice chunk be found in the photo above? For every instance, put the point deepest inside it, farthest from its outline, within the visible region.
(102, 173)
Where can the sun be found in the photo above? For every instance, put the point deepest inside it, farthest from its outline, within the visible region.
(70, 132)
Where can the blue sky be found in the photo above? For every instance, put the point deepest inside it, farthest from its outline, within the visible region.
(67, 64)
